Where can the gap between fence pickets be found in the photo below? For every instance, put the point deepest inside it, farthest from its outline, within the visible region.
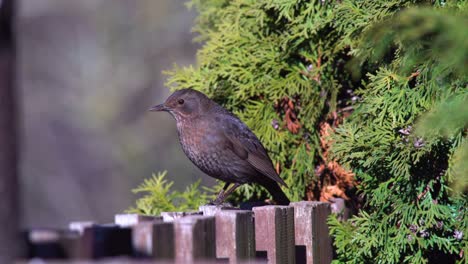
(235, 233)
(282, 234)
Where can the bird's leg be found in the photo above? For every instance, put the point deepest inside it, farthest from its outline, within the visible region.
(220, 198)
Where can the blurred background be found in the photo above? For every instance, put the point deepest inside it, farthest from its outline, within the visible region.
(88, 71)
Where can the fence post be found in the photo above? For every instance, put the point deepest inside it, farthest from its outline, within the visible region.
(235, 232)
(45, 243)
(235, 235)
(172, 216)
(125, 220)
(211, 210)
(195, 239)
(313, 243)
(154, 239)
(79, 226)
(274, 233)
(100, 241)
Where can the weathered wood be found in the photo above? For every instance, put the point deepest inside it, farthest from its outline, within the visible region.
(79, 226)
(125, 260)
(45, 244)
(313, 243)
(195, 238)
(101, 241)
(154, 239)
(94, 241)
(211, 210)
(235, 235)
(143, 239)
(274, 233)
(282, 234)
(172, 216)
(53, 244)
(126, 220)
(164, 241)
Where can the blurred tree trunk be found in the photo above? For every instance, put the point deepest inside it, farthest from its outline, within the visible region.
(9, 219)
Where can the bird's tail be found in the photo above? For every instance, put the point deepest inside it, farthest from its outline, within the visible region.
(278, 195)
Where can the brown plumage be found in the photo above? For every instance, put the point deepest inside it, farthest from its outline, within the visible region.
(221, 145)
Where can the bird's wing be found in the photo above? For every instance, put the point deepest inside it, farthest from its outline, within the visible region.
(246, 146)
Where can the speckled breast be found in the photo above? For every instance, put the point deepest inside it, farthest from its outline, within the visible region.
(208, 152)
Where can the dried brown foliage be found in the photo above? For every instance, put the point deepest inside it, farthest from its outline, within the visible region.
(334, 180)
(290, 117)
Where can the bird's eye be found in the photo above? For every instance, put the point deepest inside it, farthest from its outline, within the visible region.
(181, 101)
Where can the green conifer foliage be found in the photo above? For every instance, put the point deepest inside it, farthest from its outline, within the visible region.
(279, 65)
(157, 197)
(286, 66)
(404, 173)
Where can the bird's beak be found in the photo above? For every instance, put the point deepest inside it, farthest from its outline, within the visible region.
(157, 108)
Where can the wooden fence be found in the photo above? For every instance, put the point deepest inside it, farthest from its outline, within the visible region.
(268, 234)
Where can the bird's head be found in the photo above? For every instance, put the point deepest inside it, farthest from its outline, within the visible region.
(183, 104)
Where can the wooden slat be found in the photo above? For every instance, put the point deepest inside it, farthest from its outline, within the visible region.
(45, 243)
(313, 243)
(235, 235)
(101, 241)
(211, 210)
(172, 216)
(79, 226)
(195, 238)
(154, 239)
(126, 220)
(274, 233)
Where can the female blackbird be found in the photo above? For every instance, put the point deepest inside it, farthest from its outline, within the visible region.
(220, 144)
